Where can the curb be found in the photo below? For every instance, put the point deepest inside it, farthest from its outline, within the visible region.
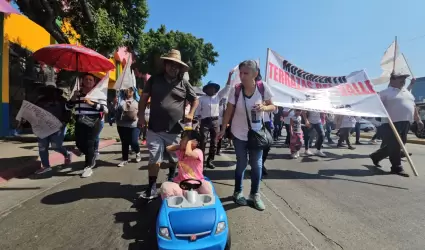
(412, 141)
(30, 168)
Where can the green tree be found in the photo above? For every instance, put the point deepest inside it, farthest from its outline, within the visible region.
(103, 25)
(195, 52)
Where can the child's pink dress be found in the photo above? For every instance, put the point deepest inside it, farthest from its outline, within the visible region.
(189, 168)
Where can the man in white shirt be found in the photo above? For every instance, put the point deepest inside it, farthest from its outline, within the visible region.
(209, 112)
(400, 105)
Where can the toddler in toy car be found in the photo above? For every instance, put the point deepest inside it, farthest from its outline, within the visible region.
(190, 164)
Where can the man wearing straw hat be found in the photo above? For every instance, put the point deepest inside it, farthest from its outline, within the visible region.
(168, 93)
(400, 105)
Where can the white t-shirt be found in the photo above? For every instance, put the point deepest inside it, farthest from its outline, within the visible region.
(348, 122)
(400, 104)
(286, 119)
(239, 126)
(314, 117)
(296, 123)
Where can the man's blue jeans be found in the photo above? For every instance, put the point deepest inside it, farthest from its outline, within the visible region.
(96, 142)
(255, 160)
(55, 141)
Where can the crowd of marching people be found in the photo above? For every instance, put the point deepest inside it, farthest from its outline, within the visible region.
(176, 125)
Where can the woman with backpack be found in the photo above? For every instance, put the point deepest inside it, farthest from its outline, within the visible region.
(128, 130)
(247, 103)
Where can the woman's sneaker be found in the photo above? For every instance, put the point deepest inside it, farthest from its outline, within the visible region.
(308, 152)
(138, 157)
(257, 202)
(239, 199)
(320, 153)
(88, 171)
(43, 170)
(122, 164)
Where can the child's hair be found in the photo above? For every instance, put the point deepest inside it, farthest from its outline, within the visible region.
(191, 135)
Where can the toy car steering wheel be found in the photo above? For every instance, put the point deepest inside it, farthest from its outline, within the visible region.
(186, 185)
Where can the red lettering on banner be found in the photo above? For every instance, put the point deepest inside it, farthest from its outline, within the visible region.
(342, 90)
(272, 69)
(356, 90)
(369, 87)
(350, 90)
(309, 84)
(303, 84)
(280, 75)
(292, 81)
(318, 85)
(286, 78)
(362, 88)
(276, 74)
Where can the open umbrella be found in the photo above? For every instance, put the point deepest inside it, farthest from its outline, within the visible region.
(5, 7)
(73, 58)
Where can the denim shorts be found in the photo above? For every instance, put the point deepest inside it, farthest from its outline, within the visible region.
(157, 144)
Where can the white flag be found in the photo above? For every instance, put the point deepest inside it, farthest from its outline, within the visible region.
(392, 60)
(125, 80)
(100, 92)
(133, 76)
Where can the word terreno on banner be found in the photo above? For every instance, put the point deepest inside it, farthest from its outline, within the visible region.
(42, 122)
(298, 89)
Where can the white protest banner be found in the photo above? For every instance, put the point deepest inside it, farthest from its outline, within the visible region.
(100, 92)
(125, 80)
(352, 95)
(42, 122)
(236, 79)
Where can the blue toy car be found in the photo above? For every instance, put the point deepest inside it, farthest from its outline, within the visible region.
(194, 221)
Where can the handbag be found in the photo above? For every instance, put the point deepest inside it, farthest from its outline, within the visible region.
(87, 120)
(257, 139)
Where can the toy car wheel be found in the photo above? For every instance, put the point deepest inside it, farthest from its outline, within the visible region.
(229, 242)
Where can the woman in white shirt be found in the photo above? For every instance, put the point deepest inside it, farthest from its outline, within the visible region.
(256, 98)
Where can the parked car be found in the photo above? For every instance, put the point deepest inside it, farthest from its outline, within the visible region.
(366, 125)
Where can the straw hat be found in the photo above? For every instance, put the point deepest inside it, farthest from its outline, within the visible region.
(175, 56)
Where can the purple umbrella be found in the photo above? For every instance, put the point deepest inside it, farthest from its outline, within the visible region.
(5, 7)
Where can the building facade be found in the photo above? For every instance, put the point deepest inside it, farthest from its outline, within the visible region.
(20, 76)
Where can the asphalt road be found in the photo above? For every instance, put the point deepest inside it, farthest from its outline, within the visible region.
(338, 202)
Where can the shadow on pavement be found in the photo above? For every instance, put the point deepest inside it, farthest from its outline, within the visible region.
(224, 164)
(96, 190)
(228, 203)
(140, 226)
(295, 175)
(371, 171)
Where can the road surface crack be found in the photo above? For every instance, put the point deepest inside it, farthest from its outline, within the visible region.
(327, 238)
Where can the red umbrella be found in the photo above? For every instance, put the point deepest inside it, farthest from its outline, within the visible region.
(73, 58)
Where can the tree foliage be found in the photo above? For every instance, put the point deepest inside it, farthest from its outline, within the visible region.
(103, 25)
(195, 52)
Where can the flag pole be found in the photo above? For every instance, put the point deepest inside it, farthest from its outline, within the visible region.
(395, 52)
(267, 66)
(408, 66)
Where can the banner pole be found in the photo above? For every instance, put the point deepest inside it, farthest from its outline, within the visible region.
(267, 66)
(408, 66)
(403, 147)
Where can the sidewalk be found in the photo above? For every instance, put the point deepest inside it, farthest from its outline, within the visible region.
(411, 138)
(19, 155)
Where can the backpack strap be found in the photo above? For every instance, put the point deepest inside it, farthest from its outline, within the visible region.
(238, 89)
(260, 86)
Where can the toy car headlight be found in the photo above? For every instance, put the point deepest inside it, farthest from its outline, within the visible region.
(163, 231)
(220, 227)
